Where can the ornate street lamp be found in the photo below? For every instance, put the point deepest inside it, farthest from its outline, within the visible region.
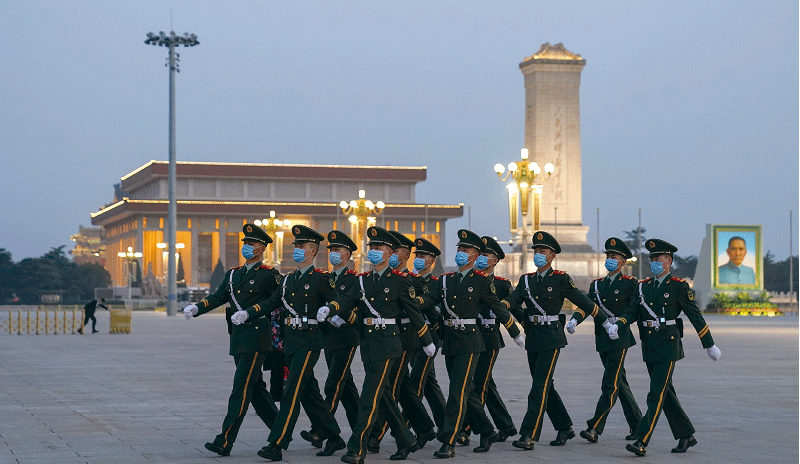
(362, 214)
(525, 196)
(273, 227)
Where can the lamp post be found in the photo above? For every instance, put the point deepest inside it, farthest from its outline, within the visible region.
(272, 226)
(362, 214)
(171, 41)
(130, 258)
(525, 196)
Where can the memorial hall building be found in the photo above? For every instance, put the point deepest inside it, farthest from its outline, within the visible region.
(214, 201)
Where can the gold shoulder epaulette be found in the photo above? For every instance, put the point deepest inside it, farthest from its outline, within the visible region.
(481, 273)
(499, 278)
(676, 279)
(558, 272)
(400, 273)
(321, 271)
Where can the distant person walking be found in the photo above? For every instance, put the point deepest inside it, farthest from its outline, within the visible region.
(88, 313)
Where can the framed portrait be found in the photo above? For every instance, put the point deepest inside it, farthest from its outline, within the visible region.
(736, 257)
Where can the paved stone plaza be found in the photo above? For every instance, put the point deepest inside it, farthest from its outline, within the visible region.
(159, 393)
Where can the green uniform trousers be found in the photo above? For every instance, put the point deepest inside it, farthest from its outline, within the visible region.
(543, 396)
(339, 385)
(461, 370)
(402, 391)
(248, 388)
(486, 391)
(615, 385)
(423, 380)
(662, 396)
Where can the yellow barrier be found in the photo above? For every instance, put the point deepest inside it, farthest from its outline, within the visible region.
(62, 320)
(120, 321)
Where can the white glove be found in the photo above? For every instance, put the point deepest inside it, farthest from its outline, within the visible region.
(606, 324)
(190, 311)
(322, 314)
(239, 317)
(571, 325)
(714, 353)
(520, 341)
(429, 350)
(612, 331)
(337, 321)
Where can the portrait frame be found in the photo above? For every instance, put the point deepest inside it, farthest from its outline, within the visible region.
(721, 278)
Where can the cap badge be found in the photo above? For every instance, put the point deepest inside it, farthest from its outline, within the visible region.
(651, 244)
(539, 236)
(463, 234)
(373, 232)
(333, 235)
(249, 229)
(419, 243)
(613, 242)
(296, 231)
(484, 241)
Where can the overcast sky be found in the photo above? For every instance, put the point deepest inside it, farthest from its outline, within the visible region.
(689, 110)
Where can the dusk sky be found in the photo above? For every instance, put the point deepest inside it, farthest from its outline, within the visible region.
(689, 110)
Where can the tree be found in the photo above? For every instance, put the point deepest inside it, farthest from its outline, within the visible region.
(181, 273)
(6, 274)
(634, 239)
(683, 268)
(776, 273)
(217, 277)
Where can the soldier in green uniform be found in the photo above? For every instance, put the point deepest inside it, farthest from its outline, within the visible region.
(376, 303)
(613, 294)
(462, 295)
(250, 342)
(658, 303)
(340, 342)
(301, 292)
(401, 389)
(423, 375)
(543, 293)
(485, 390)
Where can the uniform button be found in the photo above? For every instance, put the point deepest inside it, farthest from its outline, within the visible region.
(292, 294)
(372, 299)
(455, 296)
(672, 337)
(604, 299)
(238, 291)
(649, 332)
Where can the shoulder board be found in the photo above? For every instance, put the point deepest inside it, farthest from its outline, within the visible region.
(237, 267)
(530, 274)
(646, 280)
(400, 273)
(499, 278)
(559, 272)
(450, 273)
(676, 279)
(601, 278)
(435, 278)
(350, 271)
(264, 266)
(481, 273)
(629, 277)
(363, 273)
(321, 271)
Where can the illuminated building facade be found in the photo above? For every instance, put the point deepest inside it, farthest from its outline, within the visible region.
(216, 199)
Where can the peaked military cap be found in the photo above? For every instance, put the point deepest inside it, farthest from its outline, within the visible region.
(306, 234)
(381, 236)
(424, 246)
(659, 247)
(253, 232)
(404, 241)
(468, 238)
(543, 239)
(493, 247)
(615, 245)
(339, 238)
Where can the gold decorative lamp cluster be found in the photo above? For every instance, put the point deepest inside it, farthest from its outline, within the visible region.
(274, 228)
(362, 213)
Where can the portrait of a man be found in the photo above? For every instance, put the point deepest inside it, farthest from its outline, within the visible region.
(734, 272)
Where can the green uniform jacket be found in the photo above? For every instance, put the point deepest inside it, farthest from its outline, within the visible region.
(667, 301)
(305, 295)
(475, 291)
(616, 298)
(550, 294)
(392, 296)
(345, 336)
(422, 286)
(408, 336)
(259, 283)
(492, 337)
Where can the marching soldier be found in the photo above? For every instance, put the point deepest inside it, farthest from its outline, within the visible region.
(250, 342)
(613, 294)
(300, 294)
(400, 384)
(543, 293)
(485, 390)
(462, 295)
(340, 342)
(423, 375)
(659, 302)
(376, 303)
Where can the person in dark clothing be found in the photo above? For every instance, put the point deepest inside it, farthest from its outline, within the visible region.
(88, 313)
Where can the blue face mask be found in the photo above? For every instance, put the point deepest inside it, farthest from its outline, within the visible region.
(394, 260)
(656, 267)
(247, 251)
(482, 262)
(375, 256)
(335, 258)
(612, 264)
(419, 264)
(539, 260)
(462, 258)
(299, 255)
